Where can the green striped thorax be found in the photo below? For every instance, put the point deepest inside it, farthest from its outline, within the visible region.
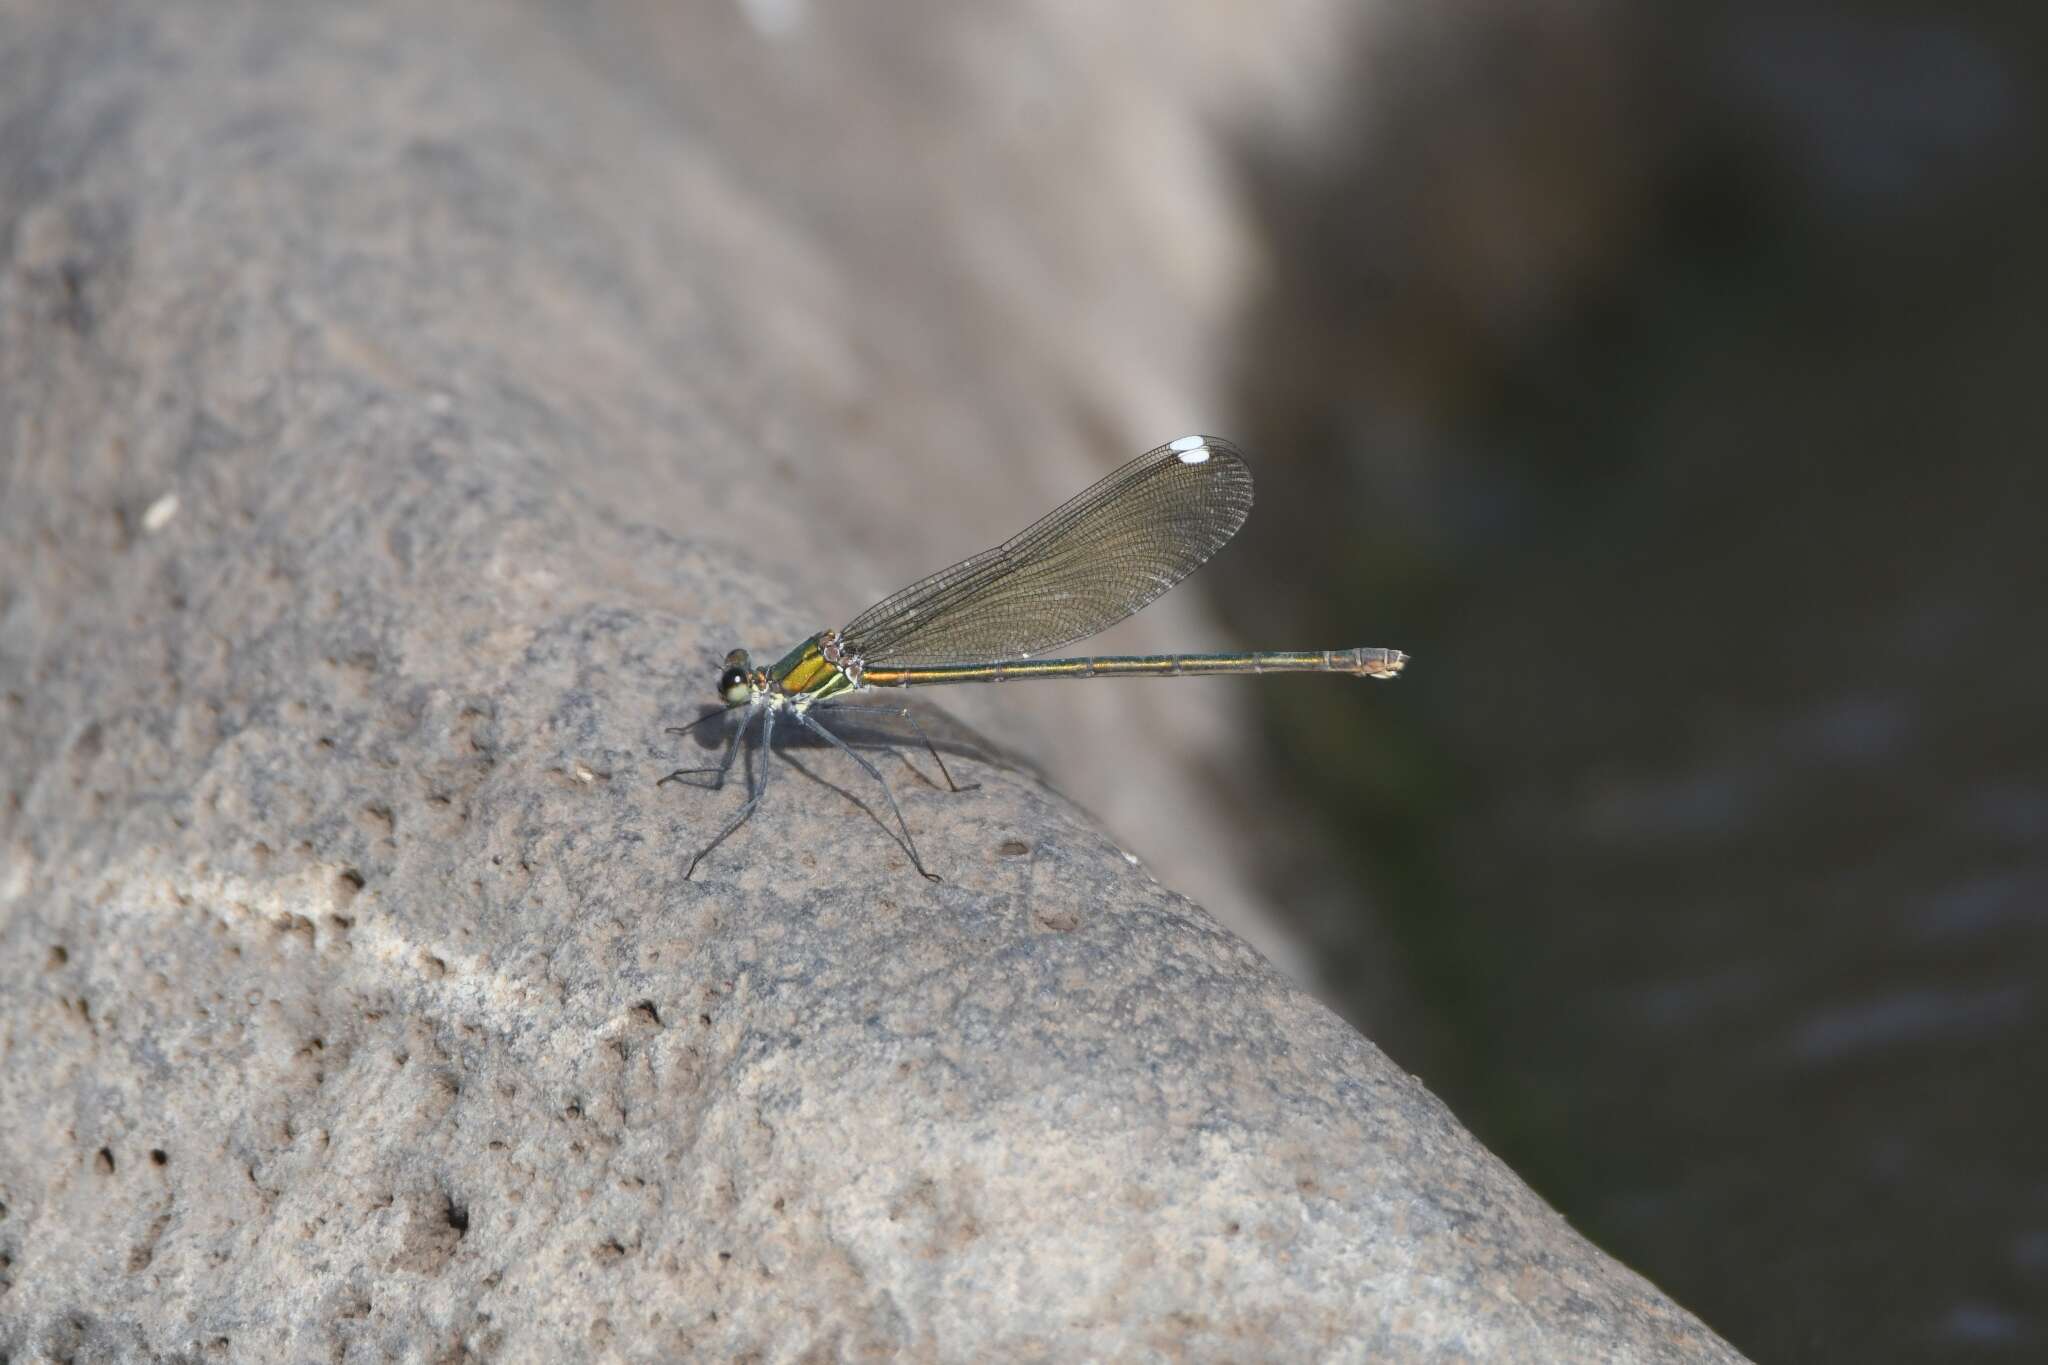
(815, 669)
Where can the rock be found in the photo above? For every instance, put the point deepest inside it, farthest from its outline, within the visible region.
(393, 444)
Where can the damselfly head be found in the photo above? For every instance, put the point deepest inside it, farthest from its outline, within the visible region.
(733, 684)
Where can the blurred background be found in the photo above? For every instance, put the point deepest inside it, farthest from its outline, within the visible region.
(1680, 369)
(1668, 381)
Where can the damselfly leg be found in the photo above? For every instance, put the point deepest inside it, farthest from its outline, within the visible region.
(909, 844)
(847, 707)
(933, 750)
(724, 766)
(759, 784)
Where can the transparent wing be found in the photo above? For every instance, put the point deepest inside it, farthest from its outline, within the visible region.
(1076, 571)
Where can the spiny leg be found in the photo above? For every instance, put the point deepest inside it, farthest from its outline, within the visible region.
(760, 785)
(930, 748)
(933, 750)
(731, 751)
(704, 719)
(909, 844)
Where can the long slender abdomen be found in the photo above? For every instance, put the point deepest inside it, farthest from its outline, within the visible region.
(1362, 663)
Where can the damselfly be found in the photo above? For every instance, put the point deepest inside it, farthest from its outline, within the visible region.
(1074, 572)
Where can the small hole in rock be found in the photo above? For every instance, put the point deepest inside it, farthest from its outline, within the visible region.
(104, 1162)
(1014, 848)
(59, 955)
(159, 1157)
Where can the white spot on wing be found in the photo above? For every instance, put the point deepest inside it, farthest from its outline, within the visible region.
(1191, 449)
(160, 513)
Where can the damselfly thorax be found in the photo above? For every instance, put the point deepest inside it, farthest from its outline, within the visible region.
(1075, 572)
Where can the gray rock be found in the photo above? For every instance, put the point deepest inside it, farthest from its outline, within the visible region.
(403, 408)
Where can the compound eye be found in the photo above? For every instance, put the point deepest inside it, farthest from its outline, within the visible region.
(732, 685)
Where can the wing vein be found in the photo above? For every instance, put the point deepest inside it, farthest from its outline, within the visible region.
(1074, 572)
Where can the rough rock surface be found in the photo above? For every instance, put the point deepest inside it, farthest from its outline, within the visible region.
(380, 464)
